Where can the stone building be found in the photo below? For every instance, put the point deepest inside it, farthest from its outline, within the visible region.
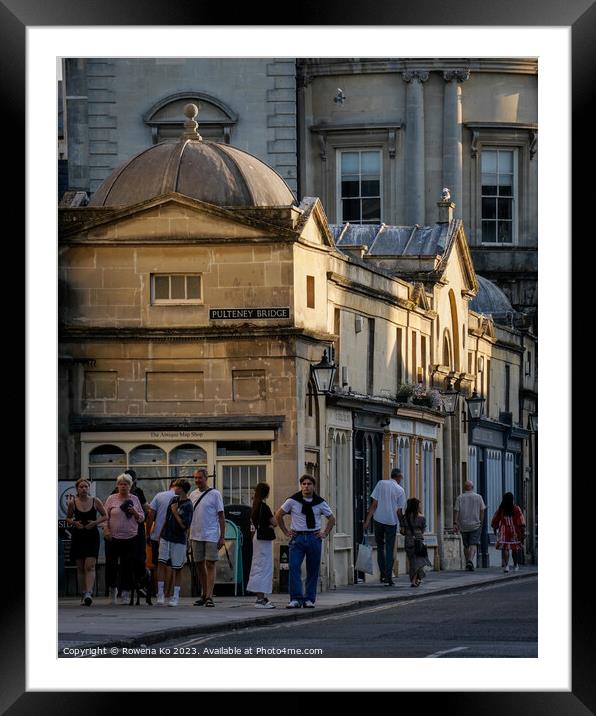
(376, 139)
(196, 294)
(379, 138)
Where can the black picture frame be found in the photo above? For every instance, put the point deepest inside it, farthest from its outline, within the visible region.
(580, 16)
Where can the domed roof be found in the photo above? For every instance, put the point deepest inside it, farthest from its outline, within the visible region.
(491, 300)
(214, 173)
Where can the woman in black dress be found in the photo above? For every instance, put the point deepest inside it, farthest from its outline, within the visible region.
(83, 518)
(413, 528)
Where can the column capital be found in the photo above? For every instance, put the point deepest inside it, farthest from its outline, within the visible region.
(457, 75)
(410, 75)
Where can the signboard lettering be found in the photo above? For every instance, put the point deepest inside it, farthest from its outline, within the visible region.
(247, 314)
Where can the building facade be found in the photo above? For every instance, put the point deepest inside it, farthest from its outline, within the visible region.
(196, 294)
(377, 139)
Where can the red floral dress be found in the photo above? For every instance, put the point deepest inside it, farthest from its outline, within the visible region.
(510, 530)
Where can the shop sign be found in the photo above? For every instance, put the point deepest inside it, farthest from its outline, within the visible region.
(247, 314)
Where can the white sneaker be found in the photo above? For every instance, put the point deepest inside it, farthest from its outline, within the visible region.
(173, 601)
(516, 568)
(113, 595)
(308, 604)
(506, 569)
(264, 604)
(294, 604)
(125, 598)
(87, 599)
(161, 599)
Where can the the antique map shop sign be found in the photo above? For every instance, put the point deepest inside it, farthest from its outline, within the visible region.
(247, 314)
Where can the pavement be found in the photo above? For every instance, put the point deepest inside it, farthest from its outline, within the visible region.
(105, 625)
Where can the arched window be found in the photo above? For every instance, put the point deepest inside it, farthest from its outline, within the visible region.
(447, 361)
(185, 459)
(403, 462)
(215, 119)
(106, 462)
(428, 484)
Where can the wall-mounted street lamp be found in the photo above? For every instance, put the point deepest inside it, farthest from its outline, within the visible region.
(322, 374)
(449, 398)
(475, 404)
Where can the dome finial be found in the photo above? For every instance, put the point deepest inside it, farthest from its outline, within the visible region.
(190, 126)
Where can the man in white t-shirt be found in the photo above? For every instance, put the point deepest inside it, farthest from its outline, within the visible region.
(306, 539)
(468, 515)
(388, 500)
(207, 533)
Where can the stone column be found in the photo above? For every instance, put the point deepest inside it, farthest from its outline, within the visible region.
(414, 149)
(452, 136)
(448, 474)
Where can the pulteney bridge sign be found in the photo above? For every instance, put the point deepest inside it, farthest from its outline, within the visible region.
(247, 314)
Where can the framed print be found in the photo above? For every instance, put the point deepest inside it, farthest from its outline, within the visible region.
(31, 34)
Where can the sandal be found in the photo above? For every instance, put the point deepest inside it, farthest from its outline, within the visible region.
(209, 602)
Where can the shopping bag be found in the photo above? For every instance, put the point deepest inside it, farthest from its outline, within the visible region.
(364, 560)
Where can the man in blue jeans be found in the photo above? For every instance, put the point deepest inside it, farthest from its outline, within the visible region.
(306, 539)
(388, 500)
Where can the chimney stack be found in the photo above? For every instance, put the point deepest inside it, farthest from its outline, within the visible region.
(446, 207)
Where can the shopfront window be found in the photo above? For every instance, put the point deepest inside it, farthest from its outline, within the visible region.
(239, 482)
(403, 462)
(428, 485)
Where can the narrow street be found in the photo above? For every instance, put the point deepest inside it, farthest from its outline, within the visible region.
(496, 621)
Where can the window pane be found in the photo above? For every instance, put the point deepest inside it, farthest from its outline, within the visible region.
(489, 184)
(371, 163)
(193, 287)
(162, 287)
(505, 232)
(351, 210)
(371, 187)
(489, 162)
(504, 209)
(489, 208)
(505, 184)
(489, 231)
(371, 209)
(349, 186)
(178, 287)
(349, 163)
(505, 162)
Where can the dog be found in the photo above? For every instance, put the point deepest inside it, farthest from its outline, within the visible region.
(142, 588)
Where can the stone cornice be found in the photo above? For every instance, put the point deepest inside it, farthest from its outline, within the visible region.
(369, 292)
(308, 69)
(243, 331)
(91, 423)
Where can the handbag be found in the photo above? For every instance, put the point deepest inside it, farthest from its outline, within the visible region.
(364, 560)
(419, 547)
(264, 532)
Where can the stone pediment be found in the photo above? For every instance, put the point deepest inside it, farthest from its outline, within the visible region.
(170, 218)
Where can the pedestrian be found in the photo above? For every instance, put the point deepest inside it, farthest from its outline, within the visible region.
(158, 509)
(468, 516)
(207, 534)
(510, 527)
(414, 527)
(124, 512)
(388, 500)
(172, 541)
(140, 551)
(82, 516)
(260, 579)
(306, 539)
